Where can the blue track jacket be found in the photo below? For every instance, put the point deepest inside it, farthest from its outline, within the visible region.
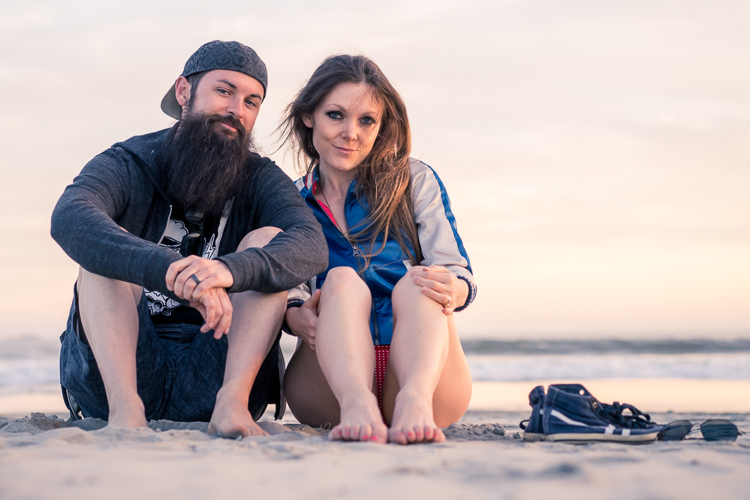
(438, 237)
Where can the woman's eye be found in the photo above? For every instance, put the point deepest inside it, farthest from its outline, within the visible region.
(335, 115)
(223, 91)
(367, 120)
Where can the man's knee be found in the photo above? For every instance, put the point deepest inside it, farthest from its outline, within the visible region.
(259, 237)
(97, 285)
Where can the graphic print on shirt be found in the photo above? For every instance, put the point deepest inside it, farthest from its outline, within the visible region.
(158, 303)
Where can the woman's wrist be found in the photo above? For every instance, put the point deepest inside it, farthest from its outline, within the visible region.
(291, 304)
(465, 295)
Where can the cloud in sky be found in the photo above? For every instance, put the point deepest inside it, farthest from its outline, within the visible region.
(595, 152)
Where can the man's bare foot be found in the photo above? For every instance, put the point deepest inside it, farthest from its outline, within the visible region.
(360, 421)
(127, 415)
(232, 419)
(413, 421)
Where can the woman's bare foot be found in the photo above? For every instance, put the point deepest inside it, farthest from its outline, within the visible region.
(128, 414)
(360, 421)
(232, 419)
(413, 421)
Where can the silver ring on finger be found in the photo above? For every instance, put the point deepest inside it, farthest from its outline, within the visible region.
(446, 305)
(198, 282)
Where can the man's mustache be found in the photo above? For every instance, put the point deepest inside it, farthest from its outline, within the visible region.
(229, 120)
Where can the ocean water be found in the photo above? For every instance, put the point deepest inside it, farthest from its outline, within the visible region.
(30, 364)
(511, 361)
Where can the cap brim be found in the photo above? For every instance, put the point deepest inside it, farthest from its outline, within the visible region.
(170, 105)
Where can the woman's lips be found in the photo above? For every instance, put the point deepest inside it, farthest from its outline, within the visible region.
(345, 151)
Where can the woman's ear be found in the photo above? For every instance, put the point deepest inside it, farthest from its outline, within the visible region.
(182, 90)
(307, 120)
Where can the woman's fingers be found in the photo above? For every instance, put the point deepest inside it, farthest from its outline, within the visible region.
(303, 321)
(443, 299)
(441, 285)
(313, 301)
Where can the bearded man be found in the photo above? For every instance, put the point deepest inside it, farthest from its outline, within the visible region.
(186, 241)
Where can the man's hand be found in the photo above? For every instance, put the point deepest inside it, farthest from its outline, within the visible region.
(203, 283)
(303, 320)
(442, 286)
(209, 274)
(216, 309)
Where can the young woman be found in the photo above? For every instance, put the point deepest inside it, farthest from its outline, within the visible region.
(397, 271)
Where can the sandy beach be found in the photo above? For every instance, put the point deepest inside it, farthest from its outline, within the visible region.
(42, 456)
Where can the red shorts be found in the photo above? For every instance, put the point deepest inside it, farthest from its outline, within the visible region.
(382, 353)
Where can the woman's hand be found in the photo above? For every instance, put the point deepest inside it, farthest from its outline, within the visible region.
(303, 320)
(442, 286)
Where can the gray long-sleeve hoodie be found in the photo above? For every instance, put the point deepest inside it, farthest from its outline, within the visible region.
(123, 188)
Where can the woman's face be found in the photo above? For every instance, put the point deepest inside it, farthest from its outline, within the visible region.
(345, 126)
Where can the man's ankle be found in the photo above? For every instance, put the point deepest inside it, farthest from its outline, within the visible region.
(234, 392)
(127, 406)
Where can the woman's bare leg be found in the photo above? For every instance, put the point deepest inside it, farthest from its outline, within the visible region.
(345, 357)
(307, 391)
(428, 382)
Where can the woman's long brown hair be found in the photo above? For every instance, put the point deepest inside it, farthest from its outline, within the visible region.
(383, 179)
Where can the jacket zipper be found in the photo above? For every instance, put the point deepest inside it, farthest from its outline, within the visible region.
(356, 254)
(166, 226)
(375, 329)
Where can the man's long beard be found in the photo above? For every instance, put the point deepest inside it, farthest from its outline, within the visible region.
(206, 166)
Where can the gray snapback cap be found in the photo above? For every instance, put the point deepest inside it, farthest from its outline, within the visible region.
(232, 56)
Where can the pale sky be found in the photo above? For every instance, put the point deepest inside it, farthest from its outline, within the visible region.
(595, 151)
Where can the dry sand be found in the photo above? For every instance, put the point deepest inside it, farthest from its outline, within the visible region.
(484, 457)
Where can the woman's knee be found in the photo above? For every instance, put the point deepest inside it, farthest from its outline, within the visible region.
(406, 291)
(344, 280)
(259, 237)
